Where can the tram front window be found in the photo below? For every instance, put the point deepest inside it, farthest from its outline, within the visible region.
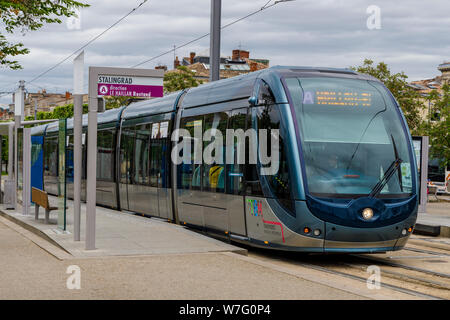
(351, 135)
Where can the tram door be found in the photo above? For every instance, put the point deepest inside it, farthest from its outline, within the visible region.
(210, 193)
(160, 166)
(125, 158)
(235, 184)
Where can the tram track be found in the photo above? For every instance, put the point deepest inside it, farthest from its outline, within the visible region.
(412, 280)
(403, 266)
(357, 271)
(441, 254)
(363, 279)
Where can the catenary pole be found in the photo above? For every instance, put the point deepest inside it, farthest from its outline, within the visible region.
(78, 79)
(91, 179)
(214, 65)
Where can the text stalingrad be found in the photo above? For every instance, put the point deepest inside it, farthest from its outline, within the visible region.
(115, 80)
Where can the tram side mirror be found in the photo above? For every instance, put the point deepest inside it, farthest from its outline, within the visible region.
(253, 101)
(262, 101)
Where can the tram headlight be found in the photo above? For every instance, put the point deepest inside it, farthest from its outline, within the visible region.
(367, 214)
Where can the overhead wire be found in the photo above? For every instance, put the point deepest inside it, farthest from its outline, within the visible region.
(265, 7)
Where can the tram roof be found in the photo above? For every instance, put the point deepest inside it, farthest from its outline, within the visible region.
(304, 71)
(38, 130)
(152, 106)
(112, 115)
(234, 88)
(241, 87)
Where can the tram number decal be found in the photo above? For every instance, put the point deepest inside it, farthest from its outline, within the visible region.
(256, 210)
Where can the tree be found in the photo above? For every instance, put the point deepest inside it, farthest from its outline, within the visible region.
(180, 79)
(407, 97)
(117, 102)
(439, 125)
(29, 15)
(60, 112)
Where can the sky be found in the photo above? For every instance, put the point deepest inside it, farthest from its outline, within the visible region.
(412, 36)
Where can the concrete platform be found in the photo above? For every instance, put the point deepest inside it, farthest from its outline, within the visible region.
(120, 234)
(436, 221)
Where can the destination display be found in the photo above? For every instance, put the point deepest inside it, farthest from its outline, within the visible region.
(338, 98)
(125, 86)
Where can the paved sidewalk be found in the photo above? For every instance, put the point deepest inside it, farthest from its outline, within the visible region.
(436, 221)
(120, 234)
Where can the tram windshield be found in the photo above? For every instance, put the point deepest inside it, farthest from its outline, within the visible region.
(351, 137)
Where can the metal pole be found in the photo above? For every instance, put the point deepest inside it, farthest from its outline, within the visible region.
(10, 152)
(78, 77)
(1, 167)
(214, 56)
(424, 174)
(26, 187)
(19, 101)
(11, 193)
(91, 183)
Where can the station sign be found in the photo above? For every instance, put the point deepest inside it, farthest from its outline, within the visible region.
(129, 86)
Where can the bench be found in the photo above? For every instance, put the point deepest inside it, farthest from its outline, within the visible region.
(40, 199)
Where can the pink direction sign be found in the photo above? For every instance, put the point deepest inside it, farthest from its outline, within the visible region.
(130, 86)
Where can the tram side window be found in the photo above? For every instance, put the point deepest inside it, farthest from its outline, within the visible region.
(165, 156)
(69, 158)
(265, 96)
(141, 155)
(159, 161)
(126, 152)
(51, 157)
(269, 118)
(214, 172)
(235, 170)
(190, 173)
(84, 155)
(253, 184)
(105, 155)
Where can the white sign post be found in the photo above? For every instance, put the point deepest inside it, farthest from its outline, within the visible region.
(104, 81)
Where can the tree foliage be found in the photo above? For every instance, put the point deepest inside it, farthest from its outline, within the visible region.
(60, 112)
(407, 97)
(117, 102)
(29, 15)
(180, 79)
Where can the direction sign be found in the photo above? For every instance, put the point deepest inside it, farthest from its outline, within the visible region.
(130, 86)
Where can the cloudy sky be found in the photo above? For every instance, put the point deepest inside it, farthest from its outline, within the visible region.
(414, 36)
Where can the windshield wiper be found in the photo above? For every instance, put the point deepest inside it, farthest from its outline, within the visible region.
(388, 174)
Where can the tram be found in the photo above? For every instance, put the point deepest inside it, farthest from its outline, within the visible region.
(346, 178)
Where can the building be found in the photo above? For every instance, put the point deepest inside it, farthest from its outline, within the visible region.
(45, 102)
(445, 69)
(424, 87)
(238, 63)
(6, 115)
